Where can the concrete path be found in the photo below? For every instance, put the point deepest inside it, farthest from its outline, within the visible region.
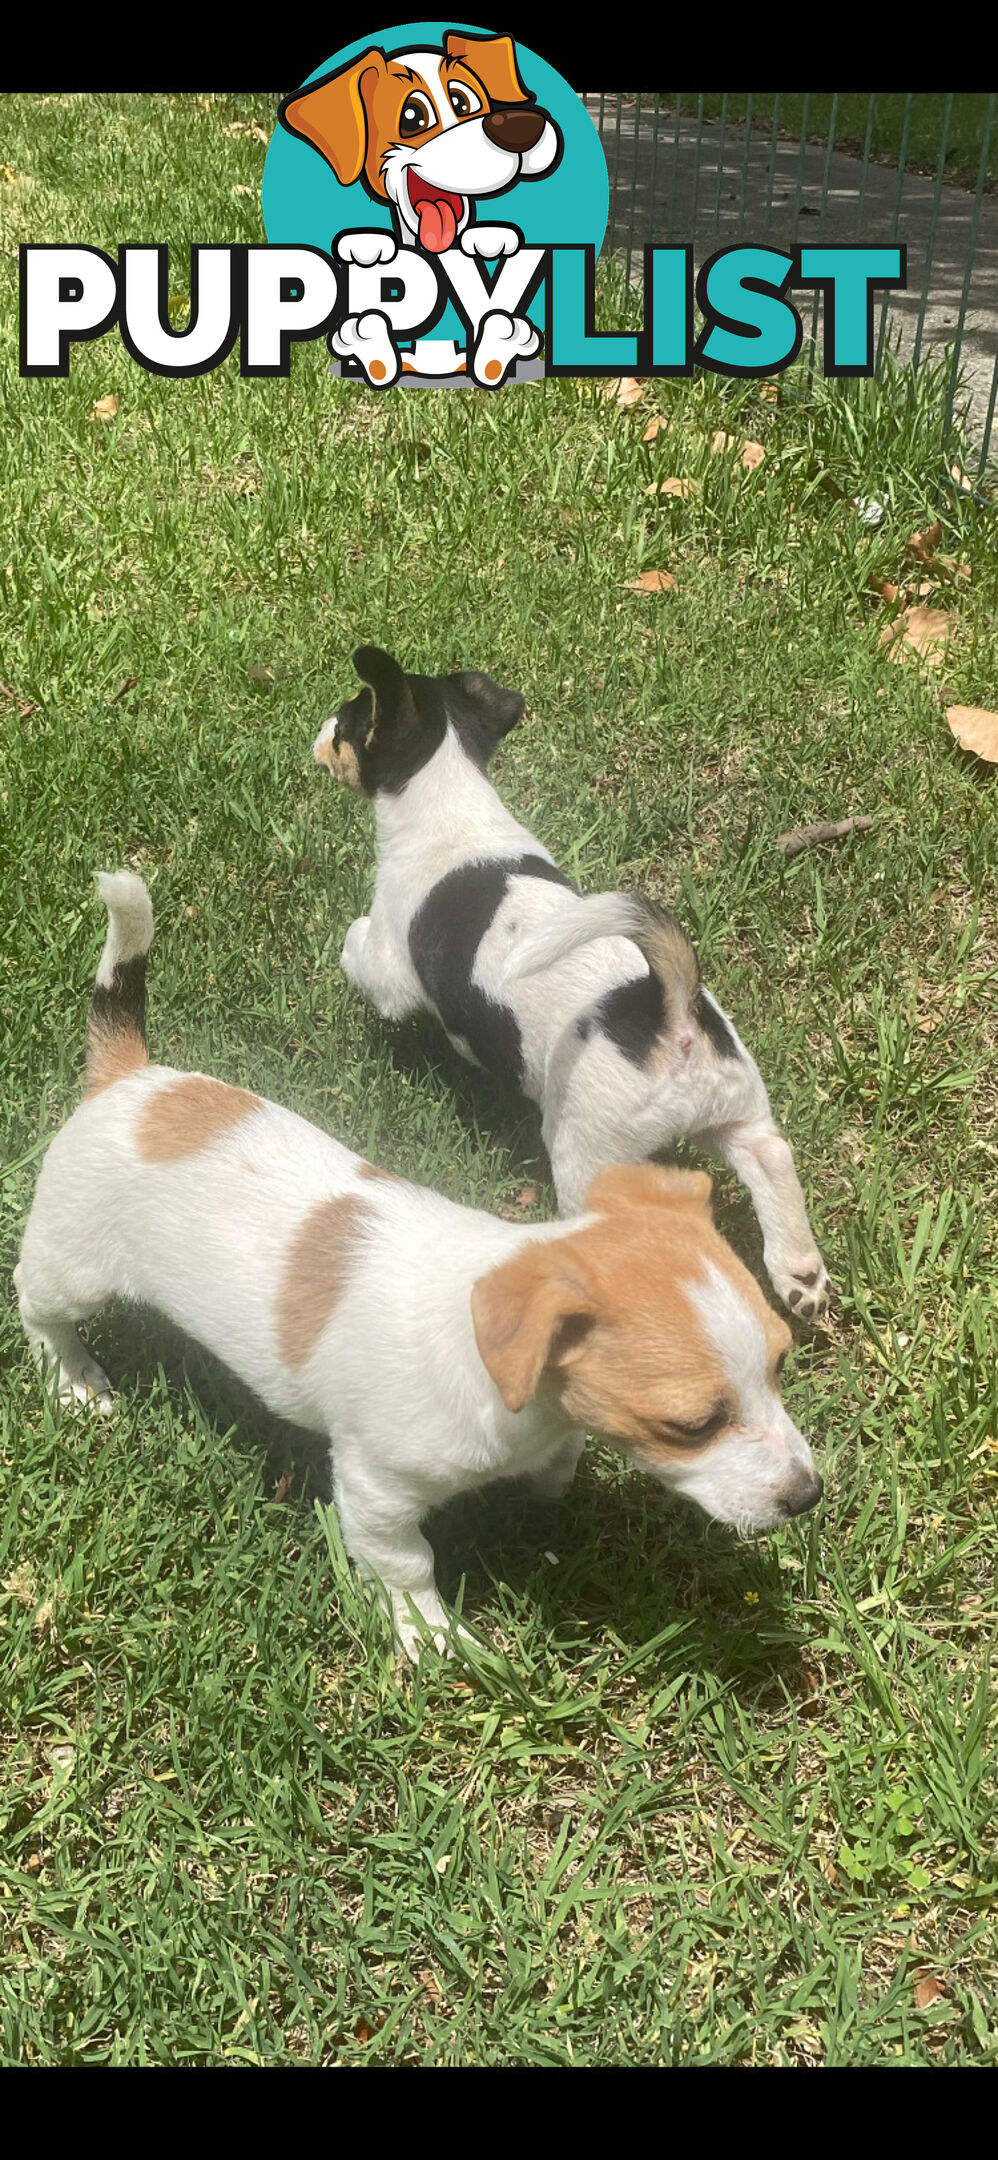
(724, 199)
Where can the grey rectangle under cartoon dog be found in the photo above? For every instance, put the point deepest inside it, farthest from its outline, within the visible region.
(593, 1006)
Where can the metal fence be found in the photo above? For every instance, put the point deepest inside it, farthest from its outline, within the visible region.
(720, 170)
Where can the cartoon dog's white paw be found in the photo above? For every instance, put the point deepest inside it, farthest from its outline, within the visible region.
(502, 340)
(490, 241)
(351, 958)
(367, 248)
(367, 339)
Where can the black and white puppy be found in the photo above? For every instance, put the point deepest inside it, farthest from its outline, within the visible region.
(593, 1006)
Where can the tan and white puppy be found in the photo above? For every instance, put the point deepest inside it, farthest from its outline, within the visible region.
(437, 1348)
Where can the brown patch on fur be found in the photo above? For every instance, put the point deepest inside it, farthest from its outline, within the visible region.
(370, 1169)
(113, 1057)
(315, 1274)
(188, 1115)
(603, 1313)
(340, 759)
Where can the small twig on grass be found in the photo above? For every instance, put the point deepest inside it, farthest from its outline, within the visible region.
(794, 843)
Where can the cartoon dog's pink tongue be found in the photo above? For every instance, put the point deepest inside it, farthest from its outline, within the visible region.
(438, 213)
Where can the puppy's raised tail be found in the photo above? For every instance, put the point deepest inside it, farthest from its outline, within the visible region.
(660, 939)
(116, 1028)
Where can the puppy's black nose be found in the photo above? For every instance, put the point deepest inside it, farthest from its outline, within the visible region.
(804, 1493)
(514, 127)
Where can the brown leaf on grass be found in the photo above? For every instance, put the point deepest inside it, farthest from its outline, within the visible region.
(922, 545)
(752, 456)
(528, 1197)
(720, 441)
(13, 697)
(106, 407)
(975, 730)
(883, 586)
(928, 1990)
(283, 1486)
(681, 488)
(123, 688)
(922, 630)
(624, 390)
(962, 480)
(7, 172)
(242, 189)
(769, 392)
(652, 581)
(363, 2031)
(657, 425)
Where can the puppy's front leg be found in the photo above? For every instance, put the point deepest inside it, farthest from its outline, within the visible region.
(558, 1473)
(383, 1537)
(382, 973)
(758, 1154)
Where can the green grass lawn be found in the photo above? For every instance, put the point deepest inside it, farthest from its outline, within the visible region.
(700, 1802)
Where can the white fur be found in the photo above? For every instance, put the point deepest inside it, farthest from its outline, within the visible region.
(550, 955)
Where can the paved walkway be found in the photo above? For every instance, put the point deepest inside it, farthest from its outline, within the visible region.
(724, 199)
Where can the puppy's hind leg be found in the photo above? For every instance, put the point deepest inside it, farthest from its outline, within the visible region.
(60, 1352)
(382, 973)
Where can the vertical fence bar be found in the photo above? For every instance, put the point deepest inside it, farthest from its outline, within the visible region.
(696, 167)
(826, 176)
(618, 109)
(902, 156)
(870, 111)
(634, 184)
(982, 173)
(805, 109)
(675, 167)
(656, 108)
(720, 165)
(940, 168)
(745, 164)
(772, 163)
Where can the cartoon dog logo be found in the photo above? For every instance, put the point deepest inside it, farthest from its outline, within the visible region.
(430, 133)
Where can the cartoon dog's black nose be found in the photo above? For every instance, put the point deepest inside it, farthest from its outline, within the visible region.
(514, 127)
(804, 1493)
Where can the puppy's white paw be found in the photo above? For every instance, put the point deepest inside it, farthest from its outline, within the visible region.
(367, 248)
(802, 1283)
(502, 340)
(490, 241)
(353, 948)
(367, 339)
(86, 1383)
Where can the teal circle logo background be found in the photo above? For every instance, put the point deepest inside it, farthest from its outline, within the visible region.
(303, 202)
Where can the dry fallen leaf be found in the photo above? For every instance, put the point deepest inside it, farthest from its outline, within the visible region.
(884, 587)
(625, 390)
(528, 1197)
(752, 456)
(7, 172)
(922, 630)
(923, 545)
(657, 426)
(242, 189)
(957, 473)
(720, 441)
(652, 581)
(682, 488)
(928, 1990)
(106, 407)
(25, 706)
(975, 730)
(769, 392)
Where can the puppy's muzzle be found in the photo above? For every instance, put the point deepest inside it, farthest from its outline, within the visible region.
(511, 128)
(804, 1493)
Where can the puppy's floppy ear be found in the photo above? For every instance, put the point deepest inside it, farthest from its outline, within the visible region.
(482, 712)
(332, 115)
(640, 1185)
(531, 1313)
(392, 695)
(493, 60)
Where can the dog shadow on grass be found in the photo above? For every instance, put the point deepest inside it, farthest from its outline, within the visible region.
(614, 1559)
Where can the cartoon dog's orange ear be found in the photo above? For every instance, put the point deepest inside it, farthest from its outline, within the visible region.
(493, 60)
(332, 115)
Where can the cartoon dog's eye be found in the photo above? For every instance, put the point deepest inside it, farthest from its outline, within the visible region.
(416, 116)
(464, 100)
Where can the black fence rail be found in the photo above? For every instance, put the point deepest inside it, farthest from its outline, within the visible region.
(720, 170)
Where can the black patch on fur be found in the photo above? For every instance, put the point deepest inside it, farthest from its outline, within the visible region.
(395, 725)
(714, 1026)
(633, 1015)
(121, 1007)
(444, 938)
